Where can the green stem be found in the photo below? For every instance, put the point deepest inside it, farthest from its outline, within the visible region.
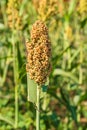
(15, 81)
(16, 106)
(66, 44)
(38, 109)
(80, 68)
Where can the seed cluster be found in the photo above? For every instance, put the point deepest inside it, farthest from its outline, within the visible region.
(82, 7)
(14, 20)
(39, 53)
(47, 8)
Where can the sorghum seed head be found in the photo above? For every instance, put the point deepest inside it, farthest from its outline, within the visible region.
(14, 20)
(47, 8)
(82, 7)
(39, 53)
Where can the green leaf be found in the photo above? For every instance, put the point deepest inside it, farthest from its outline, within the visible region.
(83, 97)
(32, 90)
(5, 119)
(73, 112)
(2, 27)
(44, 88)
(83, 23)
(74, 56)
(19, 57)
(71, 108)
(72, 6)
(65, 74)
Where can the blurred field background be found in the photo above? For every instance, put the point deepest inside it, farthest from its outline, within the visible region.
(64, 107)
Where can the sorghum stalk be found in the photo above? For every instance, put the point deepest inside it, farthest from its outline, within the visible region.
(38, 60)
(38, 109)
(15, 81)
(14, 25)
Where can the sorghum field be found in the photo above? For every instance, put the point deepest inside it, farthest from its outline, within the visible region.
(43, 64)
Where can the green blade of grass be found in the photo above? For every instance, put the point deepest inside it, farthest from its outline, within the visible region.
(5, 119)
(65, 74)
(32, 90)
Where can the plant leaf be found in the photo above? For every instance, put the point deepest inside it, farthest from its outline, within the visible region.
(32, 90)
(66, 74)
(10, 122)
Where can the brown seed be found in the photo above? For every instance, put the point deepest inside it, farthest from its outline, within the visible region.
(39, 53)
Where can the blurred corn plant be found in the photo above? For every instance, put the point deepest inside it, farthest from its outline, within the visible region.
(64, 101)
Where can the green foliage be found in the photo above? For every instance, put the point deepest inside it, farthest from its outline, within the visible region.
(64, 97)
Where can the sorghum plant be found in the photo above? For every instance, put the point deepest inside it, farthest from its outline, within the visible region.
(14, 23)
(38, 58)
